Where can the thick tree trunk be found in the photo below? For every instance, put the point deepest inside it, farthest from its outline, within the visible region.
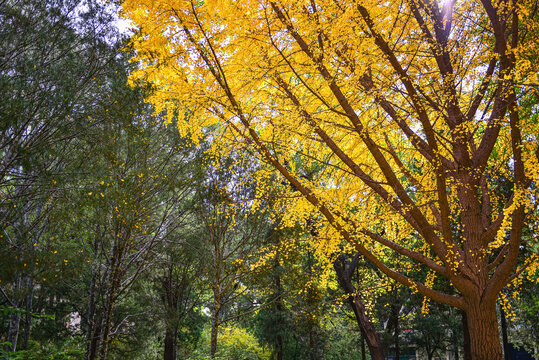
(482, 325)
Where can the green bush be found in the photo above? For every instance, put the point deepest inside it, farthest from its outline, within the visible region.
(70, 350)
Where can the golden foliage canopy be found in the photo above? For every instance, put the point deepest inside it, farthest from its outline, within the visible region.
(408, 126)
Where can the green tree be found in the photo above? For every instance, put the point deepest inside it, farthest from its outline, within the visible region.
(230, 232)
(48, 68)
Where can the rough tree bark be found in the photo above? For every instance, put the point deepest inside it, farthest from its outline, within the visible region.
(482, 322)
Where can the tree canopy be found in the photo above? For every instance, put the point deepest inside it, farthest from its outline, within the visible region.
(268, 180)
(407, 127)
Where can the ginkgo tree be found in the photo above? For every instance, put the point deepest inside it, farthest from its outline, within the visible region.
(412, 109)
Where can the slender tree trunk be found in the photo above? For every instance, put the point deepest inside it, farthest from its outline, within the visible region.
(90, 319)
(113, 285)
(14, 319)
(170, 300)
(363, 355)
(214, 324)
(366, 326)
(91, 343)
(27, 324)
(279, 347)
(171, 338)
(312, 352)
(466, 336)
(505, 342)
(13, 332)
(280, 308)
(395, 313)
(482, 324)
(94, 341)
(455, 346)
(107, 323)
